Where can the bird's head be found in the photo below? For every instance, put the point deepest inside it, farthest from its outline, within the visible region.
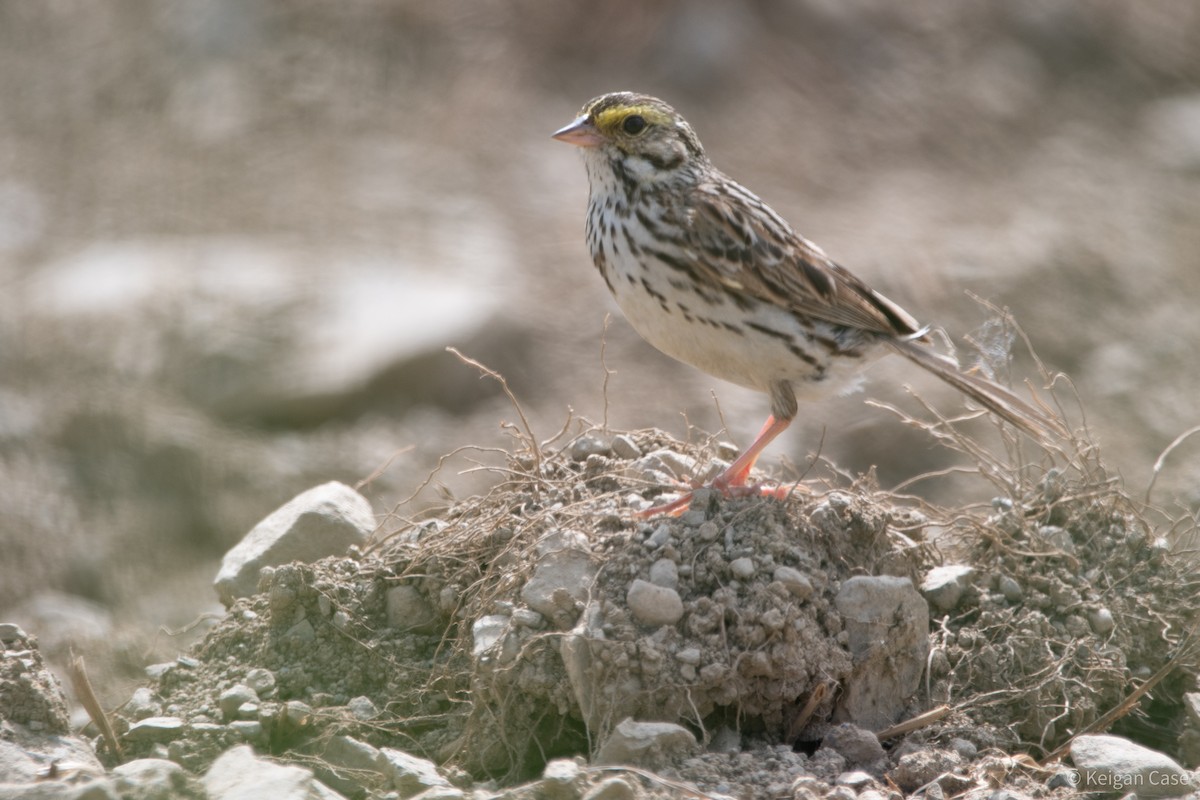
(639, 137)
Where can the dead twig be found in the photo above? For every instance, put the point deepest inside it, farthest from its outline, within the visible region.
(77, 671)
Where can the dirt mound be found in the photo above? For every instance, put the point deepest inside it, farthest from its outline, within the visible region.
(526, 624)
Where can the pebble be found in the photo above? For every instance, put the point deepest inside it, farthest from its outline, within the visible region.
(660, 537)
(795, 581)
(586, 446)
(708, 531)
(362, 708)
(234, 698)
(1011, 590)
(742, 568)
(653, 605)
(624, 447)
(155, 729)
(664, 572)
(1101, 621)
(688, 655)
(262, 681)
(142, 704)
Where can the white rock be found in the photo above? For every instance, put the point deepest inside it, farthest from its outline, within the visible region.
(943, 586)
(887, 623)
(645, 744)
(240, 775)
(233, 698)
(565, 571)
(155, 729)
(151, 779)
(486, 631)
(1111, 764)
(742, 568)
(409, 774)
(795, 581)
(323, 521)
(654, 605)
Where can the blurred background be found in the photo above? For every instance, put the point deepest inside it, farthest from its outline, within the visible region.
(236, 237)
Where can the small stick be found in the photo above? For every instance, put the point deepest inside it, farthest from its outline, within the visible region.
(919, 721)
(810, 708)
(87, 696)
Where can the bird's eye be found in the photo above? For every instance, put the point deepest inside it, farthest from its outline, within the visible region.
(633, 125)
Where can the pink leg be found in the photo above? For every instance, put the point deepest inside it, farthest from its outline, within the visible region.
(732, 482)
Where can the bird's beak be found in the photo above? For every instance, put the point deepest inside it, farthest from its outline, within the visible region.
(581, 133)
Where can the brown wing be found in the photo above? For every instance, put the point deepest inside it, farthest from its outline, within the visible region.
(749, 248)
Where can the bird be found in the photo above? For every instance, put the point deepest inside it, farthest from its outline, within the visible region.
(706, 272)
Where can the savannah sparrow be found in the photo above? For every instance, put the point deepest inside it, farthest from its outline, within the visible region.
(706, 272)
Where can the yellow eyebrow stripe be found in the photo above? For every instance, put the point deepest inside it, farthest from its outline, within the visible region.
(610, 118)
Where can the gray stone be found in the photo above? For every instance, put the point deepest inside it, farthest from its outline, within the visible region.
(586, 446)
(323, 521)
(355, 758)
(240, 775)
(668, 463)
(152, 779)
(914, 770)
(11, 632)
(233, 698)
(887, 624)
(142, 704)
(742, 568)
(1011, 590)
(1191, 704)
(155, 729)
(408, 610)
(664, 572)
(561, 779)
(250, 730)
(563, 576)
(625, 447)
(362, 708)
(944, 586)
(646, 744)
(795, 581)
(409, 774)
(24, 756)
(1101, 621)
(859, 747)
(653, 605)
(262, 681)
(1113, 764)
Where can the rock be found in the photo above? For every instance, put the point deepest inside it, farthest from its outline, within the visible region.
(24, 756)
(345, 760)
(239, 775)
(233, 698)
(653, 605)
(563, 576)
(142, 704)
(262, 681)
(486, 632)
(410, 775)
(1101, 621)
(1113, 764)
(11, 632)
(323, 521)
(887, 624)
(586, 446)
(859, 747)
(914, 770)
(362, 708)
(611, 789)
(1191, 703)
(153, 779)
(944, 586)
(155, 729)
(1011, 590)
(664, 572)
(408, 610)
(29, 693)
(795, 581)
(646, 744)
(249, 730)
(561, 779)
(674, 466)
(742, 568)
(625, 447)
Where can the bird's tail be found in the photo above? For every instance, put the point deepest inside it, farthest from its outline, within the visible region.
(1002, 402)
